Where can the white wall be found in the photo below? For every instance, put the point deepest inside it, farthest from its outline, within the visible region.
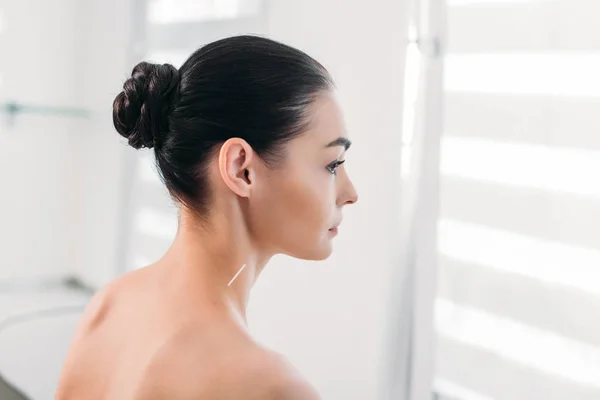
(330, 318)
(36, 41)
(104, 57)
(61, 177)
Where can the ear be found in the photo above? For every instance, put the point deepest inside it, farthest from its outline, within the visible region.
(236, 166)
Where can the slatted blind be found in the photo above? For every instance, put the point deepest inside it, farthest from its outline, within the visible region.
(518, 304)
(173, 29)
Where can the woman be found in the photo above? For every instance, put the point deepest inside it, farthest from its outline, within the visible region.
(250, 142)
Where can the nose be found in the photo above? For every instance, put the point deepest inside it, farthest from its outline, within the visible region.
(350, 196)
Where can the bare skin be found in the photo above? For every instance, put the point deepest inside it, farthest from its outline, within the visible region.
(176, 329)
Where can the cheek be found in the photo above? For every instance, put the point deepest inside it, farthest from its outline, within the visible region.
(297, 209)
(310, 199)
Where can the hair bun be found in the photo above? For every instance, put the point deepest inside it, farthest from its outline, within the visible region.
(141, 110)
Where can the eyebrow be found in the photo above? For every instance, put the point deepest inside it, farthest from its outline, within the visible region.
(341, 141)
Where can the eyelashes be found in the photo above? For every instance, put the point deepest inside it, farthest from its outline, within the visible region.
(333, 166)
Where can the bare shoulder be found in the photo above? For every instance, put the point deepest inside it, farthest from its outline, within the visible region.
(103, 300)
(239, 370)
(282, 381)
(108, 298)
(82, 343)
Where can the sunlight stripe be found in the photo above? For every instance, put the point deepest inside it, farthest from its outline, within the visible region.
(552, 74)
(556, 169)
(535, 348)
(548, 261)
(452, 390)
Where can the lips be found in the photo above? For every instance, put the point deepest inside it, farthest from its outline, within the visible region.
(334, 229)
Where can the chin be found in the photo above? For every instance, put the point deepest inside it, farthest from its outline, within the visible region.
(317, 250)
(320, 253)
(320, 257)
(317, 253)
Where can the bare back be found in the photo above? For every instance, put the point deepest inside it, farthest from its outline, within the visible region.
(134, 343)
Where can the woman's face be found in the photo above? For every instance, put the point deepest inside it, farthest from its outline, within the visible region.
(300, 203)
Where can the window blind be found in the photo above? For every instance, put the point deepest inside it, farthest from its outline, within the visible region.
(518, 303)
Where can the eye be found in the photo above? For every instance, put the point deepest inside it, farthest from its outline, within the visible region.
(333, 166)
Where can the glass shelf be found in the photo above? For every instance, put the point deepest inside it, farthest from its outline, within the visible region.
(14, 108)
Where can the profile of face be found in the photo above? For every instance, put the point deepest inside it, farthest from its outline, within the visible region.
(295, 209)
(258, 156)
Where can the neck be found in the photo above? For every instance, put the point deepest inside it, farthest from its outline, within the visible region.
(205, 259)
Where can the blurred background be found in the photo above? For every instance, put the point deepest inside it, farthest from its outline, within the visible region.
(469, 270)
